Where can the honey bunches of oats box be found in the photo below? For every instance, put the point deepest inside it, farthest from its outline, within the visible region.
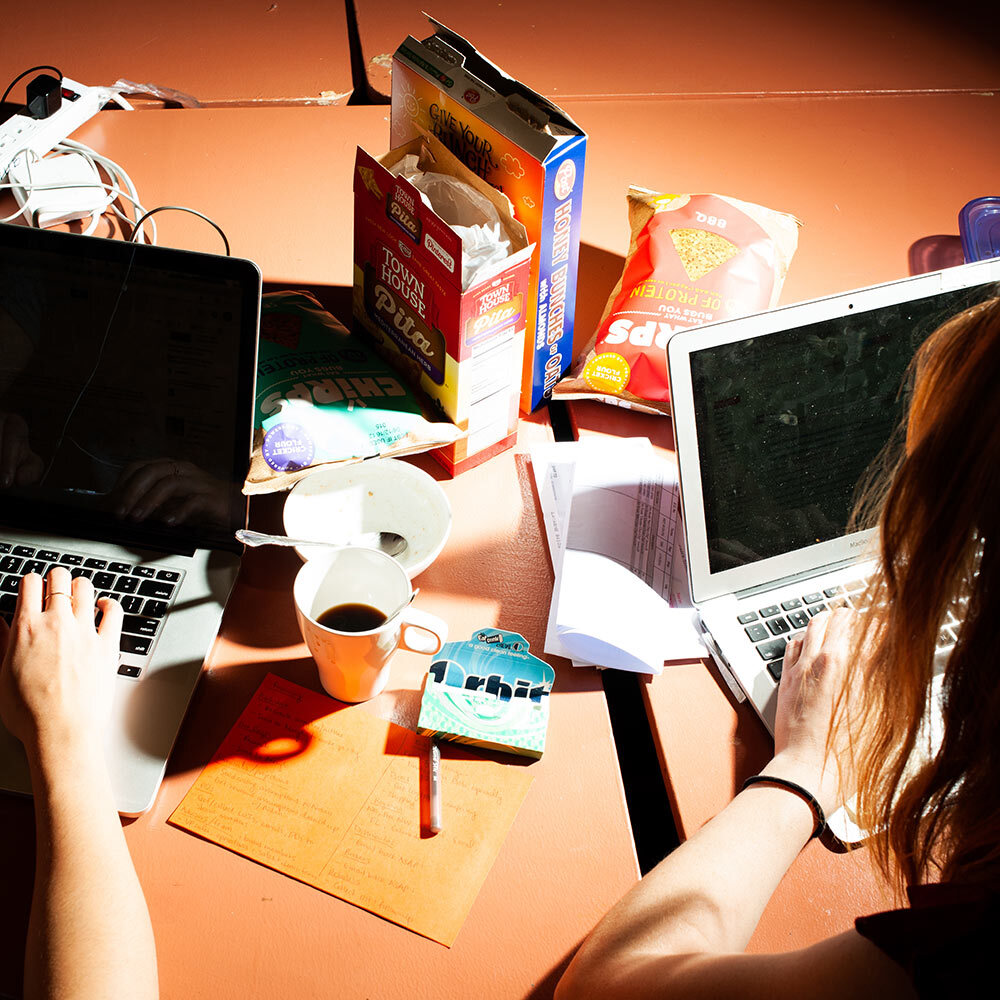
(527, 148)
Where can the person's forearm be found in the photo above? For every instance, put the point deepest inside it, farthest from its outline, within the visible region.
(89, 935)
(706, 896)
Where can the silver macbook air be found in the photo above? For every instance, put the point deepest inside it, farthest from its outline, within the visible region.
(126, 394)
(777, 417)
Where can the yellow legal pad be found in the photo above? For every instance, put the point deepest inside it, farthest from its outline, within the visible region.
(336, 797)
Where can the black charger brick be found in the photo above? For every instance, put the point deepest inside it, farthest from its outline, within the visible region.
(44, 97)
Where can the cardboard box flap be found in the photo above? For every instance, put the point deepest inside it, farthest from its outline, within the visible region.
(451, 61)
(434, 156)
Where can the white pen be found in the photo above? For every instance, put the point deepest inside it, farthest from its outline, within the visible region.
(435, 819)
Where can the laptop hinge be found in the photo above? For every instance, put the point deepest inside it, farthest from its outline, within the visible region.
(809, 574)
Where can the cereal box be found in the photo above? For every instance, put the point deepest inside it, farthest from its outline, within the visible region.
(488, 692)
(525, 147)
(462, 347)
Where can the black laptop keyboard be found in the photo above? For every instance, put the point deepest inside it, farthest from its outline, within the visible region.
(771, 626)
(144, 592)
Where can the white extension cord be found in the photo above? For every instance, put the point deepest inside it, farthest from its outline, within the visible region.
(56, 179)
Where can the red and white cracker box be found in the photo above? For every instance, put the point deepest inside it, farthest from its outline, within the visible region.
(463, 349)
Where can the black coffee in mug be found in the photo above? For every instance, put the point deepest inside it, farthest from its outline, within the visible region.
(352, 618)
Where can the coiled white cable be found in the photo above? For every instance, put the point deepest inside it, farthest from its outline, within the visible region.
(119, 186)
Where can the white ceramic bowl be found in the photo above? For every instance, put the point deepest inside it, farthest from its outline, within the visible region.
(380, 494)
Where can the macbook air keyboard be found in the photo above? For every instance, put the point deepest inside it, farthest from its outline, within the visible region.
(771, 626)
(144, 592)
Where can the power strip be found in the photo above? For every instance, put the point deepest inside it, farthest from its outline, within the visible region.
(20, 134)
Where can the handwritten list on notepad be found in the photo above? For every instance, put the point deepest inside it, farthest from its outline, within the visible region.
(332, 796)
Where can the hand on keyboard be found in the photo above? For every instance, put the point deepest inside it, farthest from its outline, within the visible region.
(811, 680)
(58, 667)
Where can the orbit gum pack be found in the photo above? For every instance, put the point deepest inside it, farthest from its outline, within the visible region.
(488, 692)
(524, 146)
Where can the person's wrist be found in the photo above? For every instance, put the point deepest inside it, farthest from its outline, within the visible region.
(55, 747)
(819, 777)
(790, 816)
(792, 789)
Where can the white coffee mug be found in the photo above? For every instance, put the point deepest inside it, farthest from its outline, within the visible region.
(354, 664)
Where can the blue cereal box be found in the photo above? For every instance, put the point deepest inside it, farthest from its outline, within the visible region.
(488, 692)
(524, 146)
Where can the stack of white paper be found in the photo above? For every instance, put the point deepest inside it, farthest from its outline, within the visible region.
(610, 513)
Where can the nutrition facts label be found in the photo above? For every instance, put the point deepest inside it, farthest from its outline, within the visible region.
(492, 394)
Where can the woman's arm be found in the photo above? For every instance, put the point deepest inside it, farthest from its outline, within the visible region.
(682, 930)
(89, 934)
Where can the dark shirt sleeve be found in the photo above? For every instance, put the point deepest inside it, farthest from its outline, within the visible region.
(945, 941)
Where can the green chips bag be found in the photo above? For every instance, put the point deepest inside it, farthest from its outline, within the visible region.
(324, 396)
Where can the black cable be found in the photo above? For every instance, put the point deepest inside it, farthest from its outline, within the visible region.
(178, 208)
(24, 74)
(93, 371)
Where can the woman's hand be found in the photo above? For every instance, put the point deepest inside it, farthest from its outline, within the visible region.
(89, 933)
(811, 680)
(58, 668)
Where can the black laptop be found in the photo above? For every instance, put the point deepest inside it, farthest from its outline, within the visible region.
(126, 402)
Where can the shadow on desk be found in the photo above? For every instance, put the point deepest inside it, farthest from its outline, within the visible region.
(752, 745)
(598, 273)
(17, 876)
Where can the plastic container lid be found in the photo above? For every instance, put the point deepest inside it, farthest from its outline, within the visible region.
(979, 224)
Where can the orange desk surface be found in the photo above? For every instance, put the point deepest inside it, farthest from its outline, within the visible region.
(223, 52)
(279, 181)
(228, 928)
(646, 48)
(877, 182)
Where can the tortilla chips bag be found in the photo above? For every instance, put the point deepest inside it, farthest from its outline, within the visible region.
(693, 259)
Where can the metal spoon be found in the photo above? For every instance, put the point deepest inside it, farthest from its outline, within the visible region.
(388, 541)
(405, 604)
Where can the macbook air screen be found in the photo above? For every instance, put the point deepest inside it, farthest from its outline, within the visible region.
(789, 422)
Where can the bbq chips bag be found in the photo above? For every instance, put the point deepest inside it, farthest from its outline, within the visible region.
(693, 259)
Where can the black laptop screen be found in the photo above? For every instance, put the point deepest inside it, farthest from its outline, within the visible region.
(125, 384)
(789, 422)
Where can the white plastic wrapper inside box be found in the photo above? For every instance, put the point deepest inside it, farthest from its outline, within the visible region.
(471, 215)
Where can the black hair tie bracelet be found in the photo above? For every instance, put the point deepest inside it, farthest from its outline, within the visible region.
(803, 793)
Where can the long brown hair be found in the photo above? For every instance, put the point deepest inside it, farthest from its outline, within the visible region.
(937, 815)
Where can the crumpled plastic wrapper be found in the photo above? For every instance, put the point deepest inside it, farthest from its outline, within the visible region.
(167, 94)
(469, 213)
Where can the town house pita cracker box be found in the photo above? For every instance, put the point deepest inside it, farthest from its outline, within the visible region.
(463, 349)
(525, 147)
